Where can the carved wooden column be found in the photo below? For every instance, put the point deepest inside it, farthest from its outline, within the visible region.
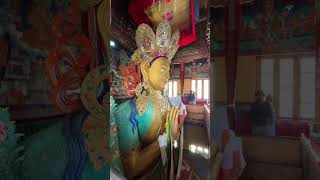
(317, 51)
(93, 36)
(182, 72)
(232, 38)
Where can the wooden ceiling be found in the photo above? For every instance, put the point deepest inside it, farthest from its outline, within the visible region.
(197, 50)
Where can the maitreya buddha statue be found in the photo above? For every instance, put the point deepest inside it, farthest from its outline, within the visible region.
(147, 124)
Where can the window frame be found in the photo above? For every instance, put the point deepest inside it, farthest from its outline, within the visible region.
(202, 88)
(167, 89)
(297, 58)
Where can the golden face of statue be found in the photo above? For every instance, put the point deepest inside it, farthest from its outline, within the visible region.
(159, 73)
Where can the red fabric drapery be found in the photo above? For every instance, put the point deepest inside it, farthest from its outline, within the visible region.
(182, 71)
(232, 42)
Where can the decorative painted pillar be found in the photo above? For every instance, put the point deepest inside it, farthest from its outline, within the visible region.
(182, 72)
(103, 16)
(93, 36)
(75, 15)
(232, 42)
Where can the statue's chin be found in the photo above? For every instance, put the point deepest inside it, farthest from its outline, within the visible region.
(158, 87)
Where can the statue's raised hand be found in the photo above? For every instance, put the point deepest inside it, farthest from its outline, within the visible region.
(172, 118)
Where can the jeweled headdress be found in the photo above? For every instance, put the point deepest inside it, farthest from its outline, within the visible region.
(152, 46)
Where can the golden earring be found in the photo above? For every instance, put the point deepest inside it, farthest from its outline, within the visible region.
(142, 91)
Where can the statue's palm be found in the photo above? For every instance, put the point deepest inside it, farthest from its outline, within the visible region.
(172, 117)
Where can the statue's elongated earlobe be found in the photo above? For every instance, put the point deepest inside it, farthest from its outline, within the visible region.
(144, 70)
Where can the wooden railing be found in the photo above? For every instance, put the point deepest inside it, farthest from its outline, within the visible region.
(310, 160)
(207, 119)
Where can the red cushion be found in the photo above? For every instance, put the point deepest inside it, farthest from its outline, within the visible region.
(283, 127)
(292, 128)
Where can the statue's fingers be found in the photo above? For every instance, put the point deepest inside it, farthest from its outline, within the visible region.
(171, 114)
(173, 110)
(176, 110)
(167, 117)
(176, 117)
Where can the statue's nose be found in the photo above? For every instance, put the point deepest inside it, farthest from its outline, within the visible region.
(167, 76)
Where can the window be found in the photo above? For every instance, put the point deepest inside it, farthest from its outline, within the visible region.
(171, 89)
(206, 89)
(193, 85)
(201, 88)
(286, 87)
(175, 88)
(295, 97)
(267, 76)
(307, 87)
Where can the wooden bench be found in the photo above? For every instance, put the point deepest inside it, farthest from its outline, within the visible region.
(277, 158)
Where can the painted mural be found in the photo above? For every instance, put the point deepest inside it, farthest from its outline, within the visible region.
(196, 69)
(271, 26)
(123, 74)
(175, 74)
(24, 29)
(188, 70)
(37, 58)
(202, 68)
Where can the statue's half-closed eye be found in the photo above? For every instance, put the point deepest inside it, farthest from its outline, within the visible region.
(163, 69)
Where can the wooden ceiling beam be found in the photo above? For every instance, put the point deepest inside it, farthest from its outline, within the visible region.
(221, 3)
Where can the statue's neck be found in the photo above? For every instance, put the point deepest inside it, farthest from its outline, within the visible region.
(161, 100)
(157, 92)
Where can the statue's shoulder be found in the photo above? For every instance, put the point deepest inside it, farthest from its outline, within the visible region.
(121, 112)
(124, 105)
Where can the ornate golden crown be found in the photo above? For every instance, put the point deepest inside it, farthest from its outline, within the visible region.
(151, 46)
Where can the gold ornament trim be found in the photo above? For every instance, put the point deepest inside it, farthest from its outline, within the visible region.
(96, 136)
(88, 93)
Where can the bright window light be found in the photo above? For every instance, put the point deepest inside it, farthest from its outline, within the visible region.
(199, 89)
(193, 85)
(206, 150)
(175, 88)
(206, 89)
(170, 88)
(175, 144)
(193, 148)
(112, 44)
(200, 149)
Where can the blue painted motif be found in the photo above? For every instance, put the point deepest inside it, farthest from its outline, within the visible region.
(76, 147)
(128, 119)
